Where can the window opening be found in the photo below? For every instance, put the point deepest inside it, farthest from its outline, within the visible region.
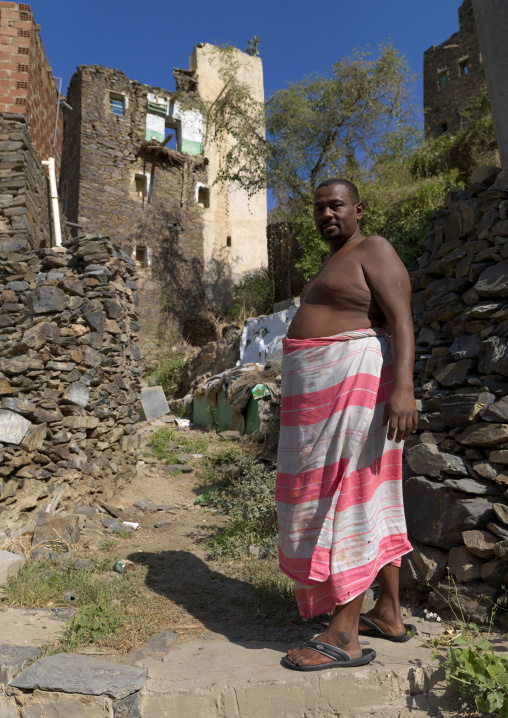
(464, 67)
(23, 50)
(204, 197)
(117, 104)
(140, 182)
(170, 142)
(142, 256)
(442, 78)
(444, 127)
(228, 241)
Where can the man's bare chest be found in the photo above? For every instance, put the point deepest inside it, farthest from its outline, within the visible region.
(340, 283)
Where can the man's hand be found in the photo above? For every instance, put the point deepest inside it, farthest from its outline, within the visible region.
(400, 415)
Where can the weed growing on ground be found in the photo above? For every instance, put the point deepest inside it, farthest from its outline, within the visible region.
(249, 499)
(476, 670)
(159, 441)
(44, 583)
(472, 665)
(219, 467)
(107, 545)
(194, 445)
(93, 624)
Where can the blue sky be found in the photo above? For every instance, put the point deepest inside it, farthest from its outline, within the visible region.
(146, 40)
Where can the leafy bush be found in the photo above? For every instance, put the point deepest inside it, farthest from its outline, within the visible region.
(477, 672)
(93, 624)
(168, 374)
(249, 499)
(253, 295)
(159, 441)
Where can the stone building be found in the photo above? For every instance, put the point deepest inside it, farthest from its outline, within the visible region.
(134, 167)
(453, 76)
(27, 85)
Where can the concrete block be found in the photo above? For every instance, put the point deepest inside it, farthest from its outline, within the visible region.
(153, 403)
(44, 704)
(10, 563)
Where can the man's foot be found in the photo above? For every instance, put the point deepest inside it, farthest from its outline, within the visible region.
(392, 626)
(307, 657)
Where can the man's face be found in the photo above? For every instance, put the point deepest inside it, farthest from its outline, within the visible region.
(335, 215)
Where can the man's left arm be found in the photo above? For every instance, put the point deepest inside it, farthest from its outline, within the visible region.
(389, 283)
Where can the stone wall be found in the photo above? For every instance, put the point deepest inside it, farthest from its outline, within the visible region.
(27, 85)
(456, 494)
(113, 182)
(453, 76)
(25, 210)
(69, 381)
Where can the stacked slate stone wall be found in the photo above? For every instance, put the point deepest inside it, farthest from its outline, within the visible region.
(69, 376)
(456, 498)
(25, 210)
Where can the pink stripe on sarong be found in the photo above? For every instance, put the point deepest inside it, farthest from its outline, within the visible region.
(339, 480)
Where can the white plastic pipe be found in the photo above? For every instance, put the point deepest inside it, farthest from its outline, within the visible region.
(55, 208)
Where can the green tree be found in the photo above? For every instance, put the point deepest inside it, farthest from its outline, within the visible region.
(333, 125)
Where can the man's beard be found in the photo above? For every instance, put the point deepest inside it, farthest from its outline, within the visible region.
(324, 227)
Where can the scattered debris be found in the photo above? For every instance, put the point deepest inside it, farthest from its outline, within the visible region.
(122, 565)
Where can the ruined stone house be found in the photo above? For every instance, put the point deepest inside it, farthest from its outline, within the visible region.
(191, 239)
(453, 76)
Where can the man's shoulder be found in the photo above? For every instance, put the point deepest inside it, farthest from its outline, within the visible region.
(374, 244)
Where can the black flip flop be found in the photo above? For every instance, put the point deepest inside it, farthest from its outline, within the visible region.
(340, 659)
(375, 632)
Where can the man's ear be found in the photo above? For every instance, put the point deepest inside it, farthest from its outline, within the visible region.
(360, 208)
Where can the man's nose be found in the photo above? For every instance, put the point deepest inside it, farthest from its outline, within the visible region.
(327, 212)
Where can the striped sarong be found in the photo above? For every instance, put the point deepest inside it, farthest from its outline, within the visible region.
(339, 480)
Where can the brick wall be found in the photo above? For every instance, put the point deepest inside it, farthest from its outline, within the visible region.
(27, 85)
(102, 155)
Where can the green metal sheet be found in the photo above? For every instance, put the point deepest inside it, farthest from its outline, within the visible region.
(200, 410)
(252, 416)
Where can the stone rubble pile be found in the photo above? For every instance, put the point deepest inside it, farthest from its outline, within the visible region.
(69, 380)
(456, 497)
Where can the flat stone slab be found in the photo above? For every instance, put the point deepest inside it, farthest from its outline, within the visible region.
(153, 403)
(13, 659)
(70, 673)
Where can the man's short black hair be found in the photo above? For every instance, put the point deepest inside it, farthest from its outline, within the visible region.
(350, 187)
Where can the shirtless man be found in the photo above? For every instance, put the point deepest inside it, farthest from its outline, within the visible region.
(362, 284)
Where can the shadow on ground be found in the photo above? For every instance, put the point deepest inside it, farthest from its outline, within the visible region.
(224, 605)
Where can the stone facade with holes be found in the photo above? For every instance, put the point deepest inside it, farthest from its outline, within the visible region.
(453, 77)
(160, 202)
(109, 185)
(27, 85)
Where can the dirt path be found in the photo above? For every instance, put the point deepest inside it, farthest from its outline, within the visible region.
(200, 598)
